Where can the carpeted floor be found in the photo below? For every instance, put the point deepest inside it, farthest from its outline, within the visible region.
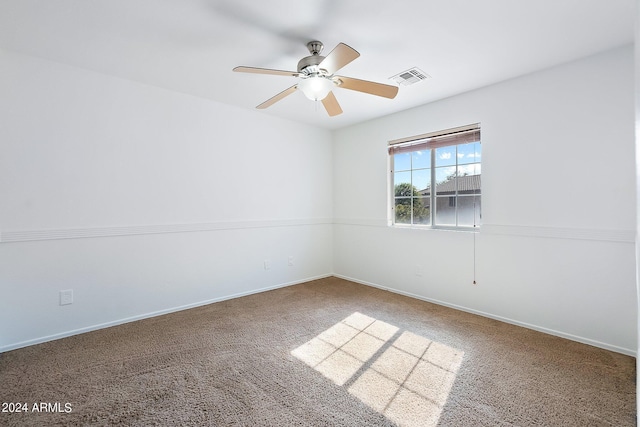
(324, 353)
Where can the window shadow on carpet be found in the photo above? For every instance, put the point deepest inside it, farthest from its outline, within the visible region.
(401, 375)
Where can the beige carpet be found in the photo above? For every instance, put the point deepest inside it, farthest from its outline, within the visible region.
(323, 353)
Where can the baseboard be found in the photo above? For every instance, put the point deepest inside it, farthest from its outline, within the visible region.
(617, 349)
(53, 337)
(571, 337)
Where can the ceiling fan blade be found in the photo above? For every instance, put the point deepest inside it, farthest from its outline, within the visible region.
(367, 86)
(269, 102)
(331, 105)
(340, 56)
(256, 70)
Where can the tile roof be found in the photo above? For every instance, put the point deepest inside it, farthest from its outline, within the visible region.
(468, 184)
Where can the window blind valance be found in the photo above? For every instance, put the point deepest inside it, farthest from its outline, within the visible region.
(455, 136)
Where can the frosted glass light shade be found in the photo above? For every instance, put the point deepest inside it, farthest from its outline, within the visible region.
(315, 88)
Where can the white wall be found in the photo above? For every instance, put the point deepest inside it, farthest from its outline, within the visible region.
(556, 249)
(143, 200)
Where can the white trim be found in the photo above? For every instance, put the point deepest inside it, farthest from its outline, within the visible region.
(621, 236)
(15, 346)
(615, 348)
(91, 328)
(625, 236)
(134, 230)
(366, 222)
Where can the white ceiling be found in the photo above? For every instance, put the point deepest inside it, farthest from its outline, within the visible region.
(191, 46)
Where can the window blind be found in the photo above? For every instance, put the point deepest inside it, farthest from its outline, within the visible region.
(454, 136)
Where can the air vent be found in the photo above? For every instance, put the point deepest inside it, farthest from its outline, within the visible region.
(411, 76)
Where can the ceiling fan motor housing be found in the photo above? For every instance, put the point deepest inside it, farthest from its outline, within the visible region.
(310, 65)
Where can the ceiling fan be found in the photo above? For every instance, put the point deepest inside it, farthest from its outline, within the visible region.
(317, 77)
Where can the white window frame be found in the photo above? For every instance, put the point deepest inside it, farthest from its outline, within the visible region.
(431, 141)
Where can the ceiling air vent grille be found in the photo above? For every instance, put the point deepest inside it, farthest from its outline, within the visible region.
(411, 76)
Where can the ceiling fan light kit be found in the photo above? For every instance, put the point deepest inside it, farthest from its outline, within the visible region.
(316, 88)
(317, 78)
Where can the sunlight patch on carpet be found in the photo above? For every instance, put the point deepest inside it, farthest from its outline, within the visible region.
(404, 376)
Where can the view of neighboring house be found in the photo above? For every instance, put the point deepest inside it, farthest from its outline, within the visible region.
(461, 192)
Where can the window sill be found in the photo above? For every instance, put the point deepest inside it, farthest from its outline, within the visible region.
(471, 229)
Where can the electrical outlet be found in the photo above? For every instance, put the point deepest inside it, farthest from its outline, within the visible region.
(291, 261)
(419, 270)
(66, 297)
(267, 264)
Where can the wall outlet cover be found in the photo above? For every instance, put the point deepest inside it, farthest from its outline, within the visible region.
(66, 297)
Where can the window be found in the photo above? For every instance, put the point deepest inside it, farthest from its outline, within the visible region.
(435, 179)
